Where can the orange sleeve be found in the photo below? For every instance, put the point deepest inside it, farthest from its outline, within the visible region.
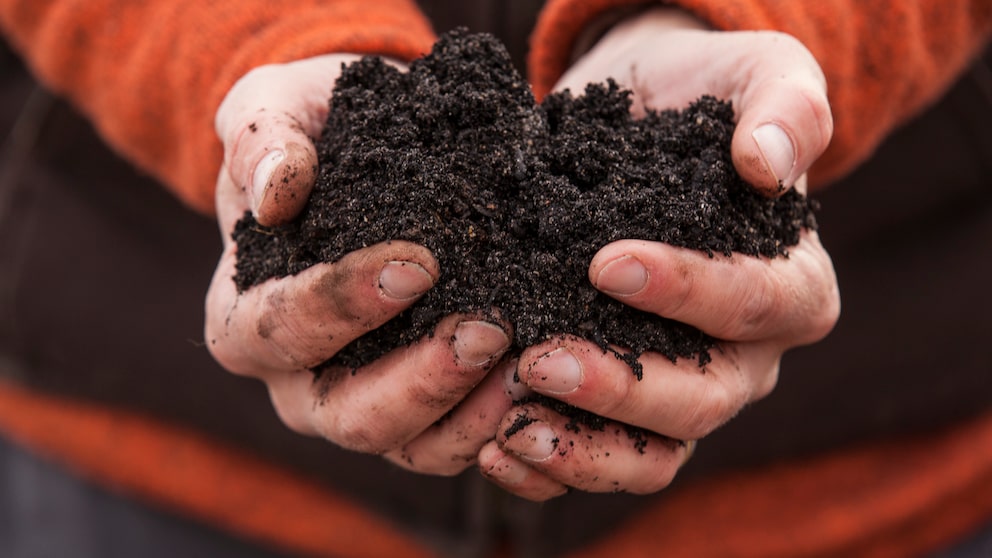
(884, 61)
(150, 75)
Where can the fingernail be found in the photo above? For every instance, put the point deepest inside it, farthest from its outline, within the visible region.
(777, 150)
(514, 387)
(557, 373)
(404, 280)
(478, 342)
(508, 471)
(262, 175)
(625, 275)
(535, 442)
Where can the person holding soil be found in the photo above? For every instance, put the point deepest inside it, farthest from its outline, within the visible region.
(814, 99)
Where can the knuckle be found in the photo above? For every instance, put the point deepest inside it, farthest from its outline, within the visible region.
(289, 414)
(818, 114)
(679, 288)
(347, 290)
(353, 431)
(618, 399)
(716, 405)
(346, 306)
(439, 392)
(288, 332)
(756, 305)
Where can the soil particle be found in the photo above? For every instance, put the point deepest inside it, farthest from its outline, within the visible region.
(521, 422)
(514, 198)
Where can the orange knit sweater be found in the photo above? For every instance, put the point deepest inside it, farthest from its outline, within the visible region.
(151, 74)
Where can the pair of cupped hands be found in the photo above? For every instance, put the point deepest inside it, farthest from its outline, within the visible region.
(445, 403)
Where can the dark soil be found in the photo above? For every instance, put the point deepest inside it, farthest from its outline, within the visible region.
(515, 198)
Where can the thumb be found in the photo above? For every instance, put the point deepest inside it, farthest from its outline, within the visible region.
(266, 123)
(784, 121)
(275, 163)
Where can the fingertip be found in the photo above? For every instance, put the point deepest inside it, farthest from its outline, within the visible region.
(405, 251)
(777, 151)
(478, 343)
(404, 280)
(262, 176)
(396, 272)
(501, 468)
(785, 126)
(281, 182)
(622, 276)
(609, 254)
(765, 157)
(515, 476)
(489, 455)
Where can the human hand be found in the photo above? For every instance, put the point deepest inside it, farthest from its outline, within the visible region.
(758, 307)
(278, 330)
(668, 59)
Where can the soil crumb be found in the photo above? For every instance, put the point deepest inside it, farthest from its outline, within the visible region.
(514, 198)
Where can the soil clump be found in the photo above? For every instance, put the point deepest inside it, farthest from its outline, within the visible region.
(514, 198)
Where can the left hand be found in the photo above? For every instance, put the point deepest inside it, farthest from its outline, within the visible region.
(758, 307)
(277, 331)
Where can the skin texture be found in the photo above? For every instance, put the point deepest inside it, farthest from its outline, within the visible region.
(446, 402)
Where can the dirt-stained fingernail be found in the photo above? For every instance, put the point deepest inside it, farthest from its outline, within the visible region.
(262, 175)
(534, 442)
(404, 280)
(556, 373)
(508, 471)
(478, 342)
(623, 276)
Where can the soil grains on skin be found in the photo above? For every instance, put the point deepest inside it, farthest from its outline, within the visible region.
(515, 198)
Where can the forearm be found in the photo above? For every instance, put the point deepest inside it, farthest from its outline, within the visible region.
(150, 75)
(883, 62)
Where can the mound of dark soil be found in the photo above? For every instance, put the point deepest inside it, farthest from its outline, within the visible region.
(514, 198)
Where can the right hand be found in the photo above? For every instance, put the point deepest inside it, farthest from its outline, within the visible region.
(278, 330)
(758, 307)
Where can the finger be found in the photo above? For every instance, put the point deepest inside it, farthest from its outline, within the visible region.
(615, 458)
(794, 299)
(516, 476)
(300, 321)
(453, 443)
(784, 119)
(680, 400)
(777, 88)
(387, 403)
(266, 123)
